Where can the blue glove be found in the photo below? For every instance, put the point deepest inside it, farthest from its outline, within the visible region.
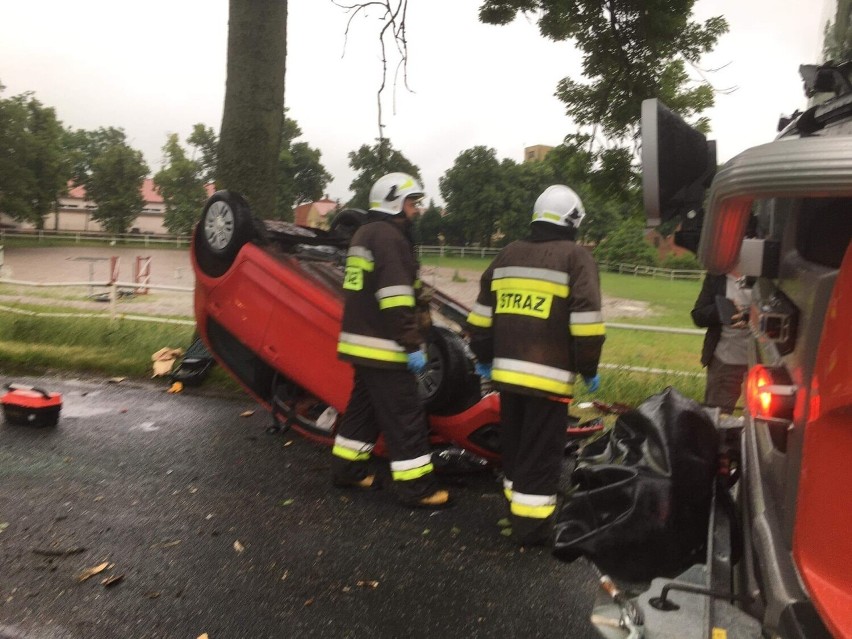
(483, 370)
(592, 383)
(416, 362)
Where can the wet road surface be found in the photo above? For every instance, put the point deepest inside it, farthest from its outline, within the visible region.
(210, 525)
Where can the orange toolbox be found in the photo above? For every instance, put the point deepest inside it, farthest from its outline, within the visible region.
(30, 406)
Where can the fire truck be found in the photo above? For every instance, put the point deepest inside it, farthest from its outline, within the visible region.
(779, 564)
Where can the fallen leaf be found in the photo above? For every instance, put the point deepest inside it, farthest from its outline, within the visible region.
(455, 531)
(247, 413)
(367, 583)
(169, 544)
(309, 601)
(91, 572)
(115, 380)
(176, 387)
(3, 525)
(289, 442)
(112, 580)
(152, 594)
(203, 636)
(286, 502)
(238, 546)
(425, 532)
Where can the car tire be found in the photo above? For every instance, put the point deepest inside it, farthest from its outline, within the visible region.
(226, 225)
(448, 383)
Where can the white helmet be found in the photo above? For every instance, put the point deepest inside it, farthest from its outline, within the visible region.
(390, 191)
(559, 205)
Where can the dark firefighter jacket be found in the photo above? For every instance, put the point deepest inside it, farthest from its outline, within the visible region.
(538, 317)
(380, 325)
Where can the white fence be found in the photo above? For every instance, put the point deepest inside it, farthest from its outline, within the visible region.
(77, 237)
(113, 292)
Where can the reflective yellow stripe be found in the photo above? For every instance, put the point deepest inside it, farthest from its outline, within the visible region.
(412, 473)
(396, 300)
(547, 215)
(507, 492)
(585, 330)
(356, 261)
(532, 512)
(474, 319)
(349, 454)
(523, 283)
(532, 381)
(367, 352)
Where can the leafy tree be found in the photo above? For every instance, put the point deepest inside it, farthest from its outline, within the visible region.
(371, 163)
(837, 36)
(32, 172)
(114, 184)
(205, 141)
(83, 147)
(181, 184)
(250, 136)
(473, 193)
(627, 245)
(301, 175)
(521, 185)
(429, 225)
(632, 51)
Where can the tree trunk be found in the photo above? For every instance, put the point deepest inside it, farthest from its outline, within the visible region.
(250, 138)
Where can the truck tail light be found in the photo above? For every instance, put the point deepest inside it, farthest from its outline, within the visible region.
(770, 394)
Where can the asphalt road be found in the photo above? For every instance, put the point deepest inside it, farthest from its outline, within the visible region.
(214, 526)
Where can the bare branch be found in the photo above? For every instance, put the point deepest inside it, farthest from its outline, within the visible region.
(393, 24)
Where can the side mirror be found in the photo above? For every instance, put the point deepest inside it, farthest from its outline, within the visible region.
(678, 164)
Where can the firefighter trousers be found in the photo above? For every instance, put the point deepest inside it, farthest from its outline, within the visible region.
(533, 438)
(385, 401)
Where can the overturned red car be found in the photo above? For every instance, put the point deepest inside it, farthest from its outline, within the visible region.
(268, 305)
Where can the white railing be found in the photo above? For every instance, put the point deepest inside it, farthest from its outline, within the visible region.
(113, 291)
(145, 239)
(652, 271)
(456, 251)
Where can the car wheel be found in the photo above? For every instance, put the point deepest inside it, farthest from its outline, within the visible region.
(448, 384)
(226, 226)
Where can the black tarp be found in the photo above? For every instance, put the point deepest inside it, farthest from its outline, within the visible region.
(640, 499)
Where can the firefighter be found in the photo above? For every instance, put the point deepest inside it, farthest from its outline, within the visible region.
(384, 339)
(536, 325)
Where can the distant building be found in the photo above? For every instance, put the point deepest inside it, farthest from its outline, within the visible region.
(74, 212)
(536, 153)
(315, 214)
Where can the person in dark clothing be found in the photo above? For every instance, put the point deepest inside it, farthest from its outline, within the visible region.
(535, 326)
(383, 337)
(725, 349)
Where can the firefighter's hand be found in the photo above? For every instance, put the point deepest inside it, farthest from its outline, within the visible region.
(592, 383)
(483, 369)
(416, 362)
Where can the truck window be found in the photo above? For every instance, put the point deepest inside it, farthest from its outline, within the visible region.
(824, 230)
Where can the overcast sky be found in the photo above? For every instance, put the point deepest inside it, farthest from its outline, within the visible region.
(158, 67)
